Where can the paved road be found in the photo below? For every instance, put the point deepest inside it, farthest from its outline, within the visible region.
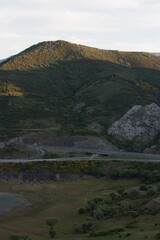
(77, 159)
(102, 152)
(40, 152)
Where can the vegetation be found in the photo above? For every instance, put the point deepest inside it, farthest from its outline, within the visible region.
(147, 172)
(51, 222)
(63, 87)
(81, 167)
(93, 208)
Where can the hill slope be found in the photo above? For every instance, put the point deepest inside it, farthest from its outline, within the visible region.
(65, 87)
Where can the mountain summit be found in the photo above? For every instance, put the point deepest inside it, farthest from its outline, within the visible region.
(45, 54)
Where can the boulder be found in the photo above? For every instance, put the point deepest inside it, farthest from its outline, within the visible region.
(139, 123)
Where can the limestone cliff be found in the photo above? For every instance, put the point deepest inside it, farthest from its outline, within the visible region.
(139, 123)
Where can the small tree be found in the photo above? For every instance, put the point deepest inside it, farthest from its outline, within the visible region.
(51, 221)
(52, 232)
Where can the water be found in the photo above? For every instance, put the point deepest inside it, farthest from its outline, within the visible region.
(8, 200)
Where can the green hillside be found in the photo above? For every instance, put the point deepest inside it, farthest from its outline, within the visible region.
(64, 87)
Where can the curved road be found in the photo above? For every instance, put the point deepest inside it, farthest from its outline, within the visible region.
(125, 155)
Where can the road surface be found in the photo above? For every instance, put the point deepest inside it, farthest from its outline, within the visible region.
(125, 156)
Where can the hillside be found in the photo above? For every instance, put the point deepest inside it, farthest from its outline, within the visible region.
(69, 88)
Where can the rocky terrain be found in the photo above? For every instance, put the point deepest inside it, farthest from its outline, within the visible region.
(86, 142)
(139, 123)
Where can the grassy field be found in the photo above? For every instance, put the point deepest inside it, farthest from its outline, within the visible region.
(62, 199)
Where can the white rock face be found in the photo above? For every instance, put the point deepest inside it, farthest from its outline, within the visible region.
(139, 123)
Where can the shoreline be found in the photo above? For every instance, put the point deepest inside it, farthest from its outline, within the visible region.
(25, 201)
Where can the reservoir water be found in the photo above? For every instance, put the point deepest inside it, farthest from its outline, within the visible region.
(9, 200)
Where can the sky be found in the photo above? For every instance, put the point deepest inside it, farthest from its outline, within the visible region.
(127, 25)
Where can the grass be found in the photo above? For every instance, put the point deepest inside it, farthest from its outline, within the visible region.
(62, 200)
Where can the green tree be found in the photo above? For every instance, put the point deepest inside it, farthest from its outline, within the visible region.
(51, 221)
(52, 232)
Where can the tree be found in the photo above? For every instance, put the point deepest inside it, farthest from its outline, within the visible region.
(52, 232)
(51, 221)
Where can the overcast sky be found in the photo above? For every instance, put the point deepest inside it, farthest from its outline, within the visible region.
(130, 25)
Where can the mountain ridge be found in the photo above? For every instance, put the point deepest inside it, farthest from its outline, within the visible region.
(71, 51)
(41, 87)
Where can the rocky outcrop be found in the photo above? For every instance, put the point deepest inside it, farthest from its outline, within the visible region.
(139, 123)
(85, 142)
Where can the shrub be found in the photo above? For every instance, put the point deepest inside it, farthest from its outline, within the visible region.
(77, 228)
(51, 221)
(158, 187)
(52, 232)
(24, 237)
(98, 213)
(134, 193)
(113, 196)
(107, 233)
(157, 236)
(81, 211)
(86, 226)
(120, 190)
(14, 237)
(143, 187)
(151, 192)
(82, 228)
(127, 235)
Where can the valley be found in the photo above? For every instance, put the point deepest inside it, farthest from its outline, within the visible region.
(63, 199)
(80, 143)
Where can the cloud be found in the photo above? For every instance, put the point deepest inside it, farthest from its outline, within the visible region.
(10, 35)
(99, 23)
(137, 46)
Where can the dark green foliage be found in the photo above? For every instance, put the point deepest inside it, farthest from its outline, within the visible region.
(52, 232)
(158, 187)
(131, 224)
(81, 211)
(107, 233)
(128, 235)
(113, 196)
(151, 192)
(134, 194)
(83, 227)
(143, 187)
(51, 221)
(147, 172)
(24, 237)
(120, 190)
(19, 237)
(14, 237)
(157, 236)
